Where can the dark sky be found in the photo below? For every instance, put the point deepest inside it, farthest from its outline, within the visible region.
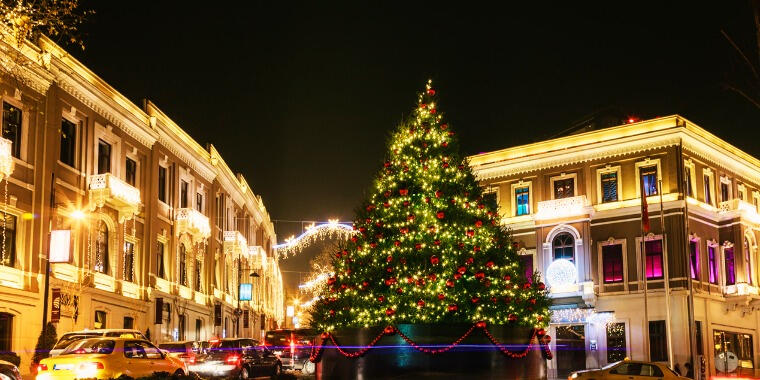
(300, 97)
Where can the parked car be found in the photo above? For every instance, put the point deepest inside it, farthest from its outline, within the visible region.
(71, 337)
(8, 371)
(239, 358)
(628, 370)
(109, 358)
(293, 347)
(185, 350)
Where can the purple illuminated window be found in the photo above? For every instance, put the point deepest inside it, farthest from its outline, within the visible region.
(712, 264)
(730, 266)
(612, 262)
(654, 259)
(527, 261)
(694, 259)
(747, 262)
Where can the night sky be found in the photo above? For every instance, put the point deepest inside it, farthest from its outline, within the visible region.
(301, 97)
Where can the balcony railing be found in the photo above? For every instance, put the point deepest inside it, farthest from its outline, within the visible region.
(6, 158)
(107, 189)
(235, 243)
(193, 223)
(563, 208)
(744, 209)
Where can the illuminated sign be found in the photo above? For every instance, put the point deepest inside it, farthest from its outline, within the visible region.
(60, 246)
(245, 291)
(291, 311)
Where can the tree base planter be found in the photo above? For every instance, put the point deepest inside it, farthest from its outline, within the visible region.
(423, 351)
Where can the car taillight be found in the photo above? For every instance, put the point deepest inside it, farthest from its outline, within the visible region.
(41, 367)
(91, 366)
(187, 358)
(233, 359)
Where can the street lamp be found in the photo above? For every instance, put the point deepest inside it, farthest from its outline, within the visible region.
(239, 311)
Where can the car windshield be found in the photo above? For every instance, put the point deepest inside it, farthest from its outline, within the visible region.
(173, 347)
(67, 339)
(124, 334)
(224, 345)
(277, 338)
(91, 346)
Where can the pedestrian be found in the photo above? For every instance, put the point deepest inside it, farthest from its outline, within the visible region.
(689, 370)
(677, 369)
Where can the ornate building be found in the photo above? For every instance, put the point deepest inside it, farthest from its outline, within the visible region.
(160, 231)
(574, 207)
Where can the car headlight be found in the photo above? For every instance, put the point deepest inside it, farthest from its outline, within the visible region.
(574, 375)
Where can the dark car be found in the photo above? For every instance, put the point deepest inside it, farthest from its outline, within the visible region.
(293, 347)
(8, 371)
(185, 350)
(236, 358)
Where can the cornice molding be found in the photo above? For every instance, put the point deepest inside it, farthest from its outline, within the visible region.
(33, 74)
(197, 164)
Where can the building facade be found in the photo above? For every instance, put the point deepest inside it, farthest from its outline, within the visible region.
(573, 205)
(158, 230)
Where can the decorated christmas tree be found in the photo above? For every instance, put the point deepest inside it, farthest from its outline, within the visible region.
(429, 247)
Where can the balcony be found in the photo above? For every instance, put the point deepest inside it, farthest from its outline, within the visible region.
(235, 243)
(193, 223)
(11, 277)
(6, 159)
(106, 189)
(564, 208)
(739, 208)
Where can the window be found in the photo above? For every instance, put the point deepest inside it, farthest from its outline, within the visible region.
(694, 259)
(101, 248)
(183, 201)
(160, 260)
(162, 184)
(698, 333)
(689, 190)
(653, 250)
(182, 268)
(708, 187)
(658, 344)
(104, 157)
(609, 187)
(199, 202)
(68, 142)
(564, 188)
(12, 128)
(730, 264)
(491, 196)
(747, 262)
(6, 332)
(649, 180)
(724, 193)
(527, 261)
(131, 171)
(616, 346)
(100, 319)
(9, 241)
(197, 275)
(563, 246)
(129, 261)
(739, 344)
(129, 323)
(181, 326)
(198, 330)
(612, 263)
(522, 200)
(712, 264)
(245, 319)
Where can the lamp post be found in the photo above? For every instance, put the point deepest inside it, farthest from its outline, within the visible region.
(238, 310)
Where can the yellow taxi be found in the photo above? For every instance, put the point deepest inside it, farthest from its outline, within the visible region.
(628, 370)
(109, 358)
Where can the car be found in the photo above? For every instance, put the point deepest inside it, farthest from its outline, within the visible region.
(237, 358)
(109, 358)
(293, 347)
(628, 370)
(71, 337)
(8, 371)
(184, 350)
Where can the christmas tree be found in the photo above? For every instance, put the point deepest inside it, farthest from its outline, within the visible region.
(429, 247)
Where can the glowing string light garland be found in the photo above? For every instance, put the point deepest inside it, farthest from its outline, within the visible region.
(330, 230)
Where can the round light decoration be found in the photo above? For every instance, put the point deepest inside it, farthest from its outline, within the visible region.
(561, 273)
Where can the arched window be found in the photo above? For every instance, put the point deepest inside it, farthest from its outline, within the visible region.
(747, 262)
(182, 265)
(101, 248)
(563, 247)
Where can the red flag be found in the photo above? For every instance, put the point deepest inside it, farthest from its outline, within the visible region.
(644, 208)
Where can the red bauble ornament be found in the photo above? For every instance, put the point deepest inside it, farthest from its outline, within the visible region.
(479, 224)
(381, 298)
(432, 110)
(410, 280)
(370, 207)
(403, 260)
(389, 312)
(420, 303)
(470, 233)
(432, 277)
(512, 318)
(480, 275)
(325, 335)
(541, 286)
(434, 260)
(453, 307)
(404, 230)
(388, 282)
(389, 269)
(399, 290)
(481, 325)
(489, 264)
(457, 276)
(469, 261)
(403, 192)
(440, 215)
(541, 332)
(410, 217)
(343, 286)
(487, 283)
(507, 277)
(445, 165)
(406, 203)
(453, 201)
(437, 242)
(332, 313)
(451, 133)
(460, 244)
(386, 204)
(373, 244)
(331, 280)
(418, 246)
(421, 282)
(365, 284)
(450, 283)
(476, 248)
(495, 299)
(431, 92)
(444, 126)
(445, 144)
(441, 296)
(389, 259)
(532, 301)
(423, 105)
(389, 330)
(526, 285)
(508, 299)
(475, 299)
(397, 243)
(354, 239)
(427, 199)
(387, 193)
(387, 164)
(438, 193)
(462, 269)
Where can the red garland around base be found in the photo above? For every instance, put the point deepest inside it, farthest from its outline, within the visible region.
(537, 334)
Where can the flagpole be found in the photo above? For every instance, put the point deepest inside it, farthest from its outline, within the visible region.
(668, 329)
(695, 366)
(644, 214)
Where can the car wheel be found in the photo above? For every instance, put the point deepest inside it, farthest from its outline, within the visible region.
(243, 373)
(277, 371)
(308, 368)
(177, 374)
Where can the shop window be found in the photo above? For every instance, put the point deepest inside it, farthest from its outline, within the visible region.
(527, 261)
(612, 263)
(739, 344)
(616, 345)
(8, 238)
(522, 200)
(129, 261)
(6, 332)
(563, 246)
(12, 117)
(694, 259)
(131, 171)
(160, 260)
(162, 184)
(730, 265)
(104, 157)
(654, 259)
(129, 323)
(101, 248)
(68, 143)
(182, 265)
(609, 187)
(564, 188)
(658, 344)
(649, 180)
(100, 319)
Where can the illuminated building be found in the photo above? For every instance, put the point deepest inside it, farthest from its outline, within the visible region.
(577, 199)
(155, 218)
